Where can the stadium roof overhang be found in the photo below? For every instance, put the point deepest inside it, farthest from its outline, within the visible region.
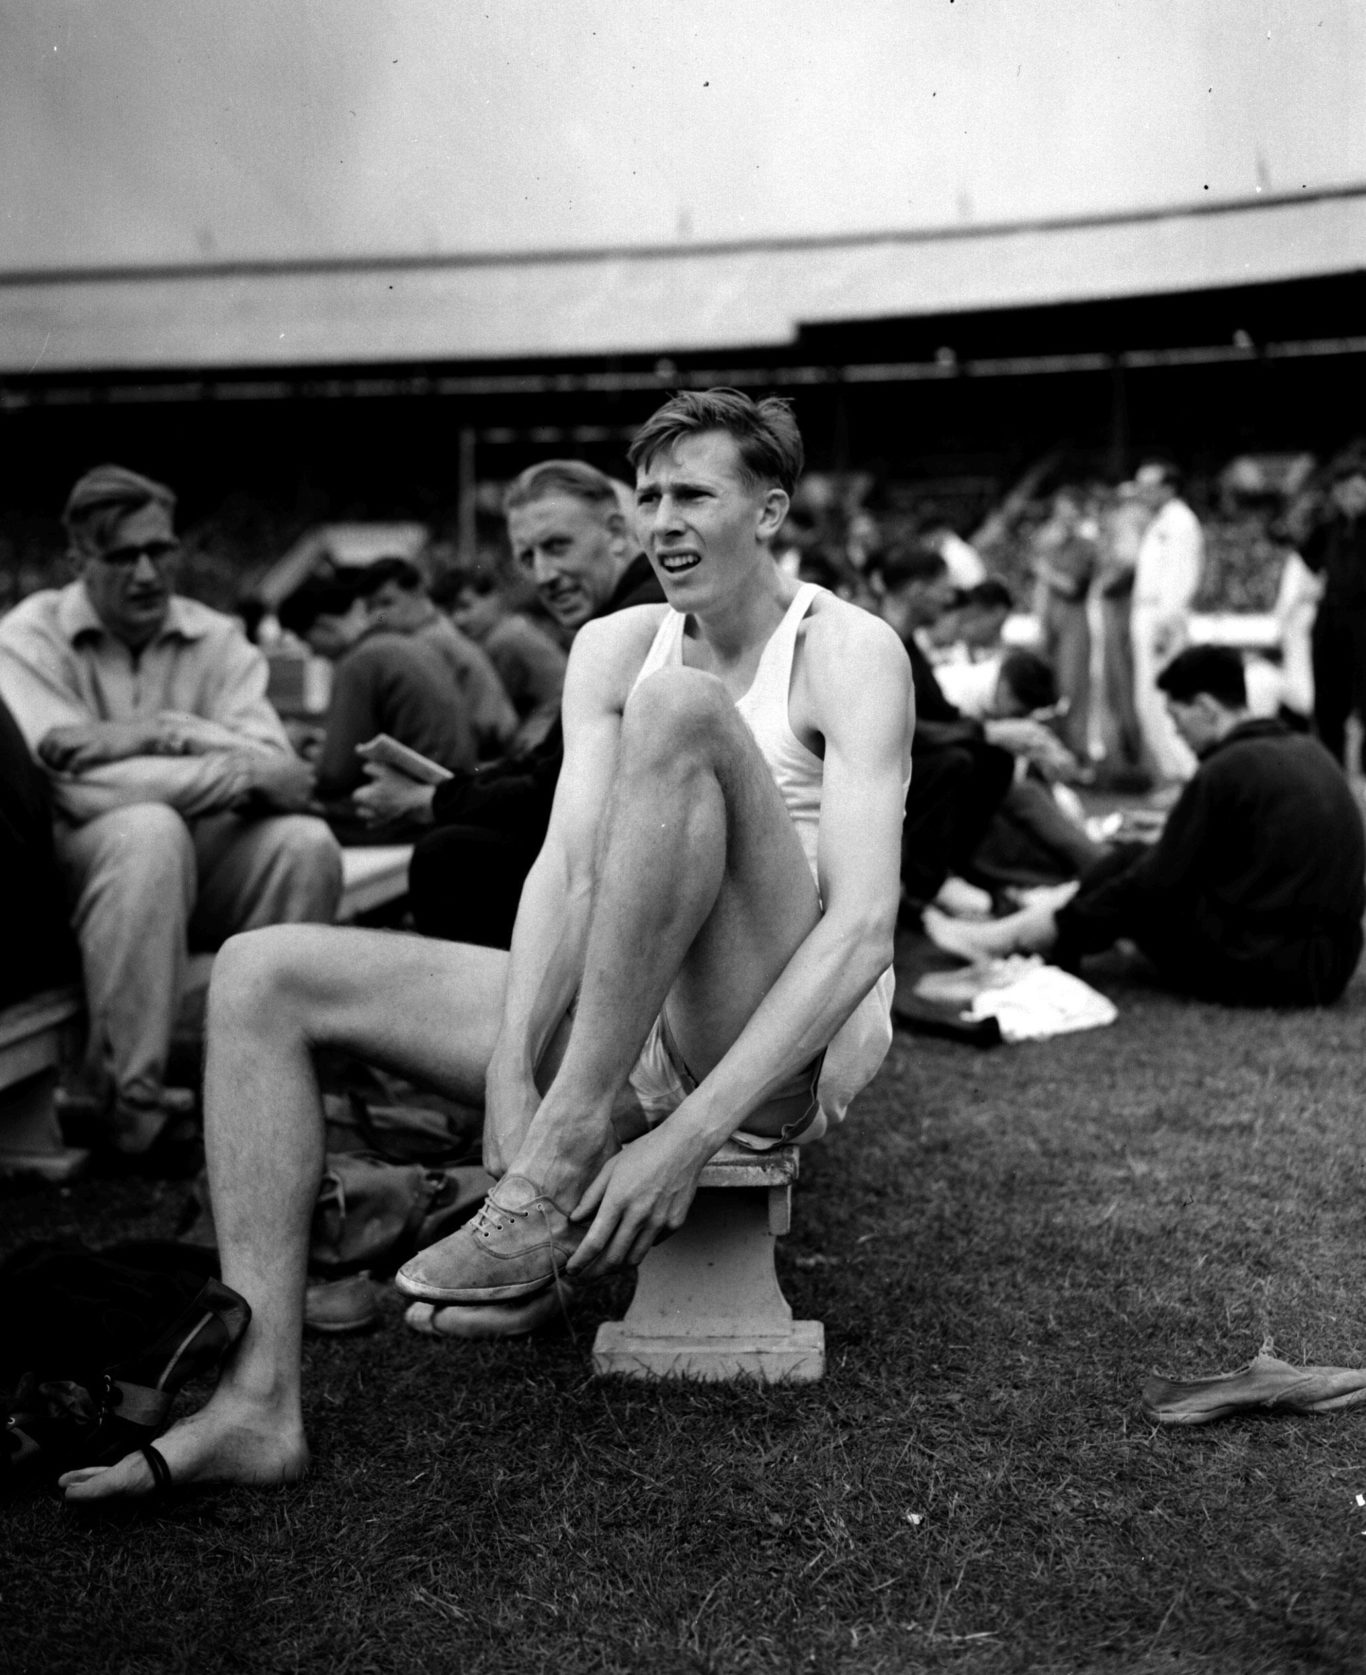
(572, 306)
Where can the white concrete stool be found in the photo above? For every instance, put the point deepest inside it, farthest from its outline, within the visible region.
(707, 1302)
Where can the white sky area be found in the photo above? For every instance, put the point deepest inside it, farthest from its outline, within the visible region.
(138, 131)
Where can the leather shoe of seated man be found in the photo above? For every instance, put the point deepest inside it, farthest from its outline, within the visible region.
(514, 1247)
(158, 1140)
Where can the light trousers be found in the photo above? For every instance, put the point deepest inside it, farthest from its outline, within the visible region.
(1157, 637)
(146, 885)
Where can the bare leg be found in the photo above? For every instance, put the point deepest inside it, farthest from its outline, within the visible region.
(425, 1009)
(703, 896)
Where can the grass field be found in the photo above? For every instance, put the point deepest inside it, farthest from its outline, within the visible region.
(1001, 1244)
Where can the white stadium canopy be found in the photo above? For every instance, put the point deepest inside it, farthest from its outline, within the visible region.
(625, 301)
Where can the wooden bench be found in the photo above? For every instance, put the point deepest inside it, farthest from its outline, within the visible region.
(37, 1036)
(707, 1303)
(373, 878)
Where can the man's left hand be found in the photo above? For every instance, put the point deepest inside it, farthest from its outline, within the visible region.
(645, 1190)
(391, 795)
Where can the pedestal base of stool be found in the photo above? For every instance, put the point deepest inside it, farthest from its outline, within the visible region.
(707, 1303)
(797, 1357)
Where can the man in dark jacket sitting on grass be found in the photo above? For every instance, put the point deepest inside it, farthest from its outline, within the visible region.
(1254, 894)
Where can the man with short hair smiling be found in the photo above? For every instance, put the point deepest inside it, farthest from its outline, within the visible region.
(176, 790)
(569, 533)
(703, 949)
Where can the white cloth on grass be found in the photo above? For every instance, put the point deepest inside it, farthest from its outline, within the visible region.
(1031, 1001)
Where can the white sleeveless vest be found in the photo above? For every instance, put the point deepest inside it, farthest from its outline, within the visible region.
(860, 1044)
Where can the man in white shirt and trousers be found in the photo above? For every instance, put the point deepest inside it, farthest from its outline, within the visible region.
(1166, 577)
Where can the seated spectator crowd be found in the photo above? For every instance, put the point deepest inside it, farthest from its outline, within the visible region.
(656, 883)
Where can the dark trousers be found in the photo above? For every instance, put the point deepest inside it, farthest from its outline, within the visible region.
(1308, 963)
(955, 791)
(1338, 649)
(37, 949)
(1066, 631)
(1030, 840)
(464, 884)
(1121, 736)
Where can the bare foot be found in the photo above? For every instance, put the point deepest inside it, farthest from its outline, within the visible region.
(490, 1320)
(963, 900)
(1048, 898)
(970, 941)
(227, 1441)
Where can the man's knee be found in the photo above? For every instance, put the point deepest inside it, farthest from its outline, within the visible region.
(674, 716)
(144, 850)
(300, 980)
(306, 867)
(261, 977)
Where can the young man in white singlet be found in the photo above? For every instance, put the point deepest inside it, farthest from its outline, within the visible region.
(702, 948)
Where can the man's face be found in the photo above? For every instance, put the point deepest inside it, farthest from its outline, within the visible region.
(1152, 489)
(572, 551)
(332, 633)
(394, 607)
(702, 524)
(128, 579)
(476, 613)
(982, 625)
(1197, 721)
(917, 604)
(1350, 494)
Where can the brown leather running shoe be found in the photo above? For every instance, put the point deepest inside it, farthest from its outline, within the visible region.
(513, 1248)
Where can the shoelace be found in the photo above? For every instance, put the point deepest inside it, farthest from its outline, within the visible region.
(488, 1221)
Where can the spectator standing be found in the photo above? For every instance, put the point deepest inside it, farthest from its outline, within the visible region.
(178, 798)
(1167, 573)
(1121, 737)
(1296, 610)
(1065, 562)
(1336, 550)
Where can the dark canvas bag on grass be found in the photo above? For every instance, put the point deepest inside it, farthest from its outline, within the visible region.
(371, 1214)
(94, 1347)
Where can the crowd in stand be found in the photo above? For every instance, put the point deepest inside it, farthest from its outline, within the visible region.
(155, 801)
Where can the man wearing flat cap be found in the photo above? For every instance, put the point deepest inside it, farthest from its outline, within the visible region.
(177, 795)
